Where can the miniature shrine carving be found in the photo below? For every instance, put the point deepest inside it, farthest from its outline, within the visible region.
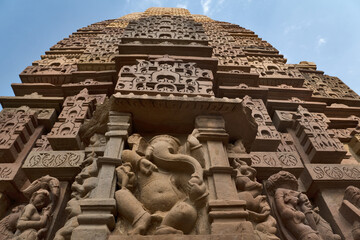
(165, 76)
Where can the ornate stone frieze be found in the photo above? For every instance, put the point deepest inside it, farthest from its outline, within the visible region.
(327, 86)
(165, 76)
(165, 27)
(56, 71)
(61, 164)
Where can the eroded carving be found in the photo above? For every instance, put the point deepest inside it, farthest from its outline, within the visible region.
(82, 187)
(256, 204)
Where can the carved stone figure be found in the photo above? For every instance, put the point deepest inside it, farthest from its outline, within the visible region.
(257, 206)
(84, 183)
(295, 214)
(350, 209)
(31, 222)
(8, 223)
(170, 187)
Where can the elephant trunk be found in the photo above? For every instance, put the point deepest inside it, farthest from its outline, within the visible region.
(163, 157)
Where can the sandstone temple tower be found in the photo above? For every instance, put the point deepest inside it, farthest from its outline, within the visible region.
(172, 124)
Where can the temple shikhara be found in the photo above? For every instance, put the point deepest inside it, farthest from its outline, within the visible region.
(172, 124)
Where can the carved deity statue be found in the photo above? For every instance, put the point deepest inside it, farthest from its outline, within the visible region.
(31, 222)
(294, 211)
(256, 204)
(352, 201)
(84, 183)
(161, 182)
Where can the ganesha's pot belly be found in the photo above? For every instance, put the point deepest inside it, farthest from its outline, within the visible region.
(158, 193)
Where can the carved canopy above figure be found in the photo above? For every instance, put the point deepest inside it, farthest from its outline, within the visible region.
(162, 113)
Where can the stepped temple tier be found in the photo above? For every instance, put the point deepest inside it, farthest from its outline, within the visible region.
(172, 124)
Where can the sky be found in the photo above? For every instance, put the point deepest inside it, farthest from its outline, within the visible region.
(323, 31)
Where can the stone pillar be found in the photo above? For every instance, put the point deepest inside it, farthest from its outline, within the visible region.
(97, 217)
(227, 213)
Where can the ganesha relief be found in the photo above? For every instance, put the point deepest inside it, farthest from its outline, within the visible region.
(161, 186)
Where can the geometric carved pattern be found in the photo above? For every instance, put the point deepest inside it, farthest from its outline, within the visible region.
(311, 131)
(16, 126)
(164, 28)
(267, 138)
(327, 86)
(65, 133)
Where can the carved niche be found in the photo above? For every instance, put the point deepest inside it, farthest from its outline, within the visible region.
(16, 127)
(165, 76)
(296, 217)
(161, 186)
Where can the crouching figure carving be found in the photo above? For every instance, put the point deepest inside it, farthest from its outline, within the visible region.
(162, 185)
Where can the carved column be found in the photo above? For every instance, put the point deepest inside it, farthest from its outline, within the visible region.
(97, 219)
(227, 213)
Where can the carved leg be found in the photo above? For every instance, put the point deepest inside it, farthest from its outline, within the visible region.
(180, 219)
(65, 232)
(132, 210)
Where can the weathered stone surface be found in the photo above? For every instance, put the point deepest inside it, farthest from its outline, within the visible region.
(204, 111)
